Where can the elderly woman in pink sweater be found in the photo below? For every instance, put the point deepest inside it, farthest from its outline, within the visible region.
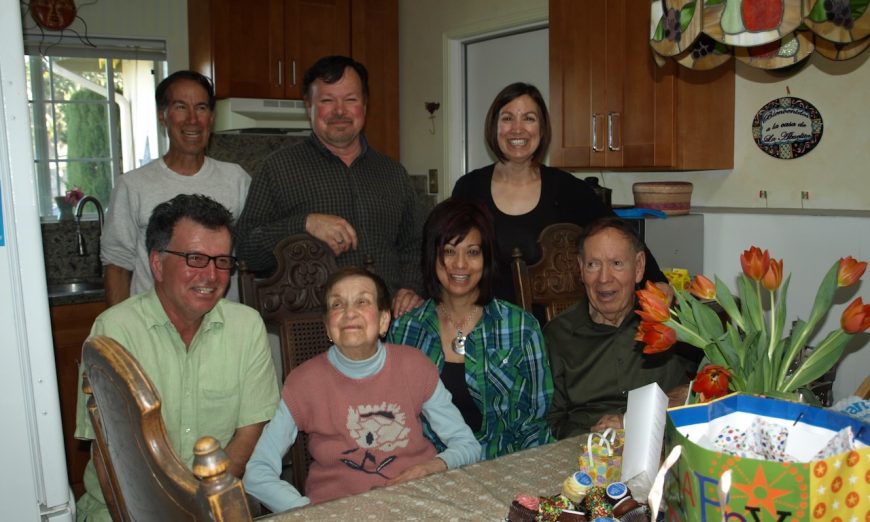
(360, 404)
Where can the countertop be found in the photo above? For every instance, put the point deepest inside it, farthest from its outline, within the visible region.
(87, 296)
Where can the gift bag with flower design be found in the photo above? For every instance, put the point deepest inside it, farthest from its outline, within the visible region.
(601, 455)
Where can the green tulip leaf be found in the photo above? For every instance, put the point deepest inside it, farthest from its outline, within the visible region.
(726, 301)
(823, 358)
(750, 304)
(709, 324)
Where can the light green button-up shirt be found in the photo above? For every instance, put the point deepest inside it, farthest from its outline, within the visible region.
(223, 381)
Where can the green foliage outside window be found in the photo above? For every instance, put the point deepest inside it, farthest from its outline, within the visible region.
(88, 141)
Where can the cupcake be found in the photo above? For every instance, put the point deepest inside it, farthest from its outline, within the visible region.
(572, 515)
(551, 507)
(576, 486)
(638, 514)
(524, 508)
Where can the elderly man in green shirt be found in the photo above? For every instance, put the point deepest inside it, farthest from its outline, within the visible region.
(594, 358)
(208, 357)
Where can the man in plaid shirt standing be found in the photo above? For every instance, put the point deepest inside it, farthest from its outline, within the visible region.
(337, 188)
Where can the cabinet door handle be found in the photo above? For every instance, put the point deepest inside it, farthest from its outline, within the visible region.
(293, 71)
(614, 131)
(595, 146)
(280, 72)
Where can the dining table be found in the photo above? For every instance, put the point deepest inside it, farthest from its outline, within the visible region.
(481, 491)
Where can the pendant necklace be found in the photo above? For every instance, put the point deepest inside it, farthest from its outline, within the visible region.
(458, 343)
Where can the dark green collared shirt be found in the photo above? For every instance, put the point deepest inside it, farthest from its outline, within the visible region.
(594, 367)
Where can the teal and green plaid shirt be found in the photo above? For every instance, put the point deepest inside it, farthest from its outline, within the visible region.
(506, 370)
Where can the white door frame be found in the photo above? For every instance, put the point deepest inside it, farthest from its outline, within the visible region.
(453, 43)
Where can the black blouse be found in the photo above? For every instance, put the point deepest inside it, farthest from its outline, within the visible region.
(564, 199)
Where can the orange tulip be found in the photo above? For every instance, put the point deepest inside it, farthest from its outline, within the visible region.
(655, 336)
(653, 304)
(856, 317)
(773, 277)
(712, 382)
(755, 263)
(702, 288)
(850, 271)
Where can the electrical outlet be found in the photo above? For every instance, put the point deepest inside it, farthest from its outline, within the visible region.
(433, 181)
(762, 194)
(805, 195)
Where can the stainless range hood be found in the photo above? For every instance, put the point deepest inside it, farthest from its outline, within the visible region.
(249, 113)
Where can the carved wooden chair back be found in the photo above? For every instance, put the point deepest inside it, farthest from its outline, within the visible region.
(303, 264)
(554, 281)
(140, 474)
(291, 300)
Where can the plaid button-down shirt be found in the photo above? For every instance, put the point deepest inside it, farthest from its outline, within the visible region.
(374, 195)
(506, 370)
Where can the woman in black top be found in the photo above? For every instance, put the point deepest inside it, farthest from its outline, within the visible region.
(522, 193)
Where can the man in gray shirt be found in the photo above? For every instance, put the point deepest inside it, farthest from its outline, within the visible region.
(185, 107)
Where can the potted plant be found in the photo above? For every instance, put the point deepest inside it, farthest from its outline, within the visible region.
(749, 352)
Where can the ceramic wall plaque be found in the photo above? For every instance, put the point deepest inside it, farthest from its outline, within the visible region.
(787, 128)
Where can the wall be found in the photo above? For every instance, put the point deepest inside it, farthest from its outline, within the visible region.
(834, 173)
(424, 25)
(157, 19)
(808, 245)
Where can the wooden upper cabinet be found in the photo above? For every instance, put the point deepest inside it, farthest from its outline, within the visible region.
(613, 108)
(313, 29)
(261, 49)
(375, 44)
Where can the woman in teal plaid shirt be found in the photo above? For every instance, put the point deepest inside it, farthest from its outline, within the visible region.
(490, 353)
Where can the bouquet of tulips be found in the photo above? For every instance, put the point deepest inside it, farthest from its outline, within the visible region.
(749, 353)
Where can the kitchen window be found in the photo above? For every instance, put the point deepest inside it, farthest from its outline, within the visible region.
(93, 115)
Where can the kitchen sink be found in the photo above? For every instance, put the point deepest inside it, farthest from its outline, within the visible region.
(75, 288)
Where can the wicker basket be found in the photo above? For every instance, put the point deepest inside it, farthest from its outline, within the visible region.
(671, 197)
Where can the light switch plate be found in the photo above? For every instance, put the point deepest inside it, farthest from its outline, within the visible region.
(433, 181)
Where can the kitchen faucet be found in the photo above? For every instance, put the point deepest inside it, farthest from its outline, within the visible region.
(80, 206)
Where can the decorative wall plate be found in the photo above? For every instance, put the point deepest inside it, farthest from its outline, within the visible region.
(787, 128)
(790, 50)
(840, 51)
(706, 53)
(674, 25)
(54, 15)
(840, 21)
(747, 23)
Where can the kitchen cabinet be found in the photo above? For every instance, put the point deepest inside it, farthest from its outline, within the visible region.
(375, 44)
(70, 326)
(262, 50)
(613, 108)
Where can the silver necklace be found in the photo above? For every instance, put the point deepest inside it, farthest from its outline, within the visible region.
(458, 342)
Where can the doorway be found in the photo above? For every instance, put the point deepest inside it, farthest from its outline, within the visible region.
(479, 62)
(490, 65)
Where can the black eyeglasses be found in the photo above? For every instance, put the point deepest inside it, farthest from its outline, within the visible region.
(197, 260)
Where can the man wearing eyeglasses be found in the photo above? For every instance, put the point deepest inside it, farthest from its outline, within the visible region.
(207, 356)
